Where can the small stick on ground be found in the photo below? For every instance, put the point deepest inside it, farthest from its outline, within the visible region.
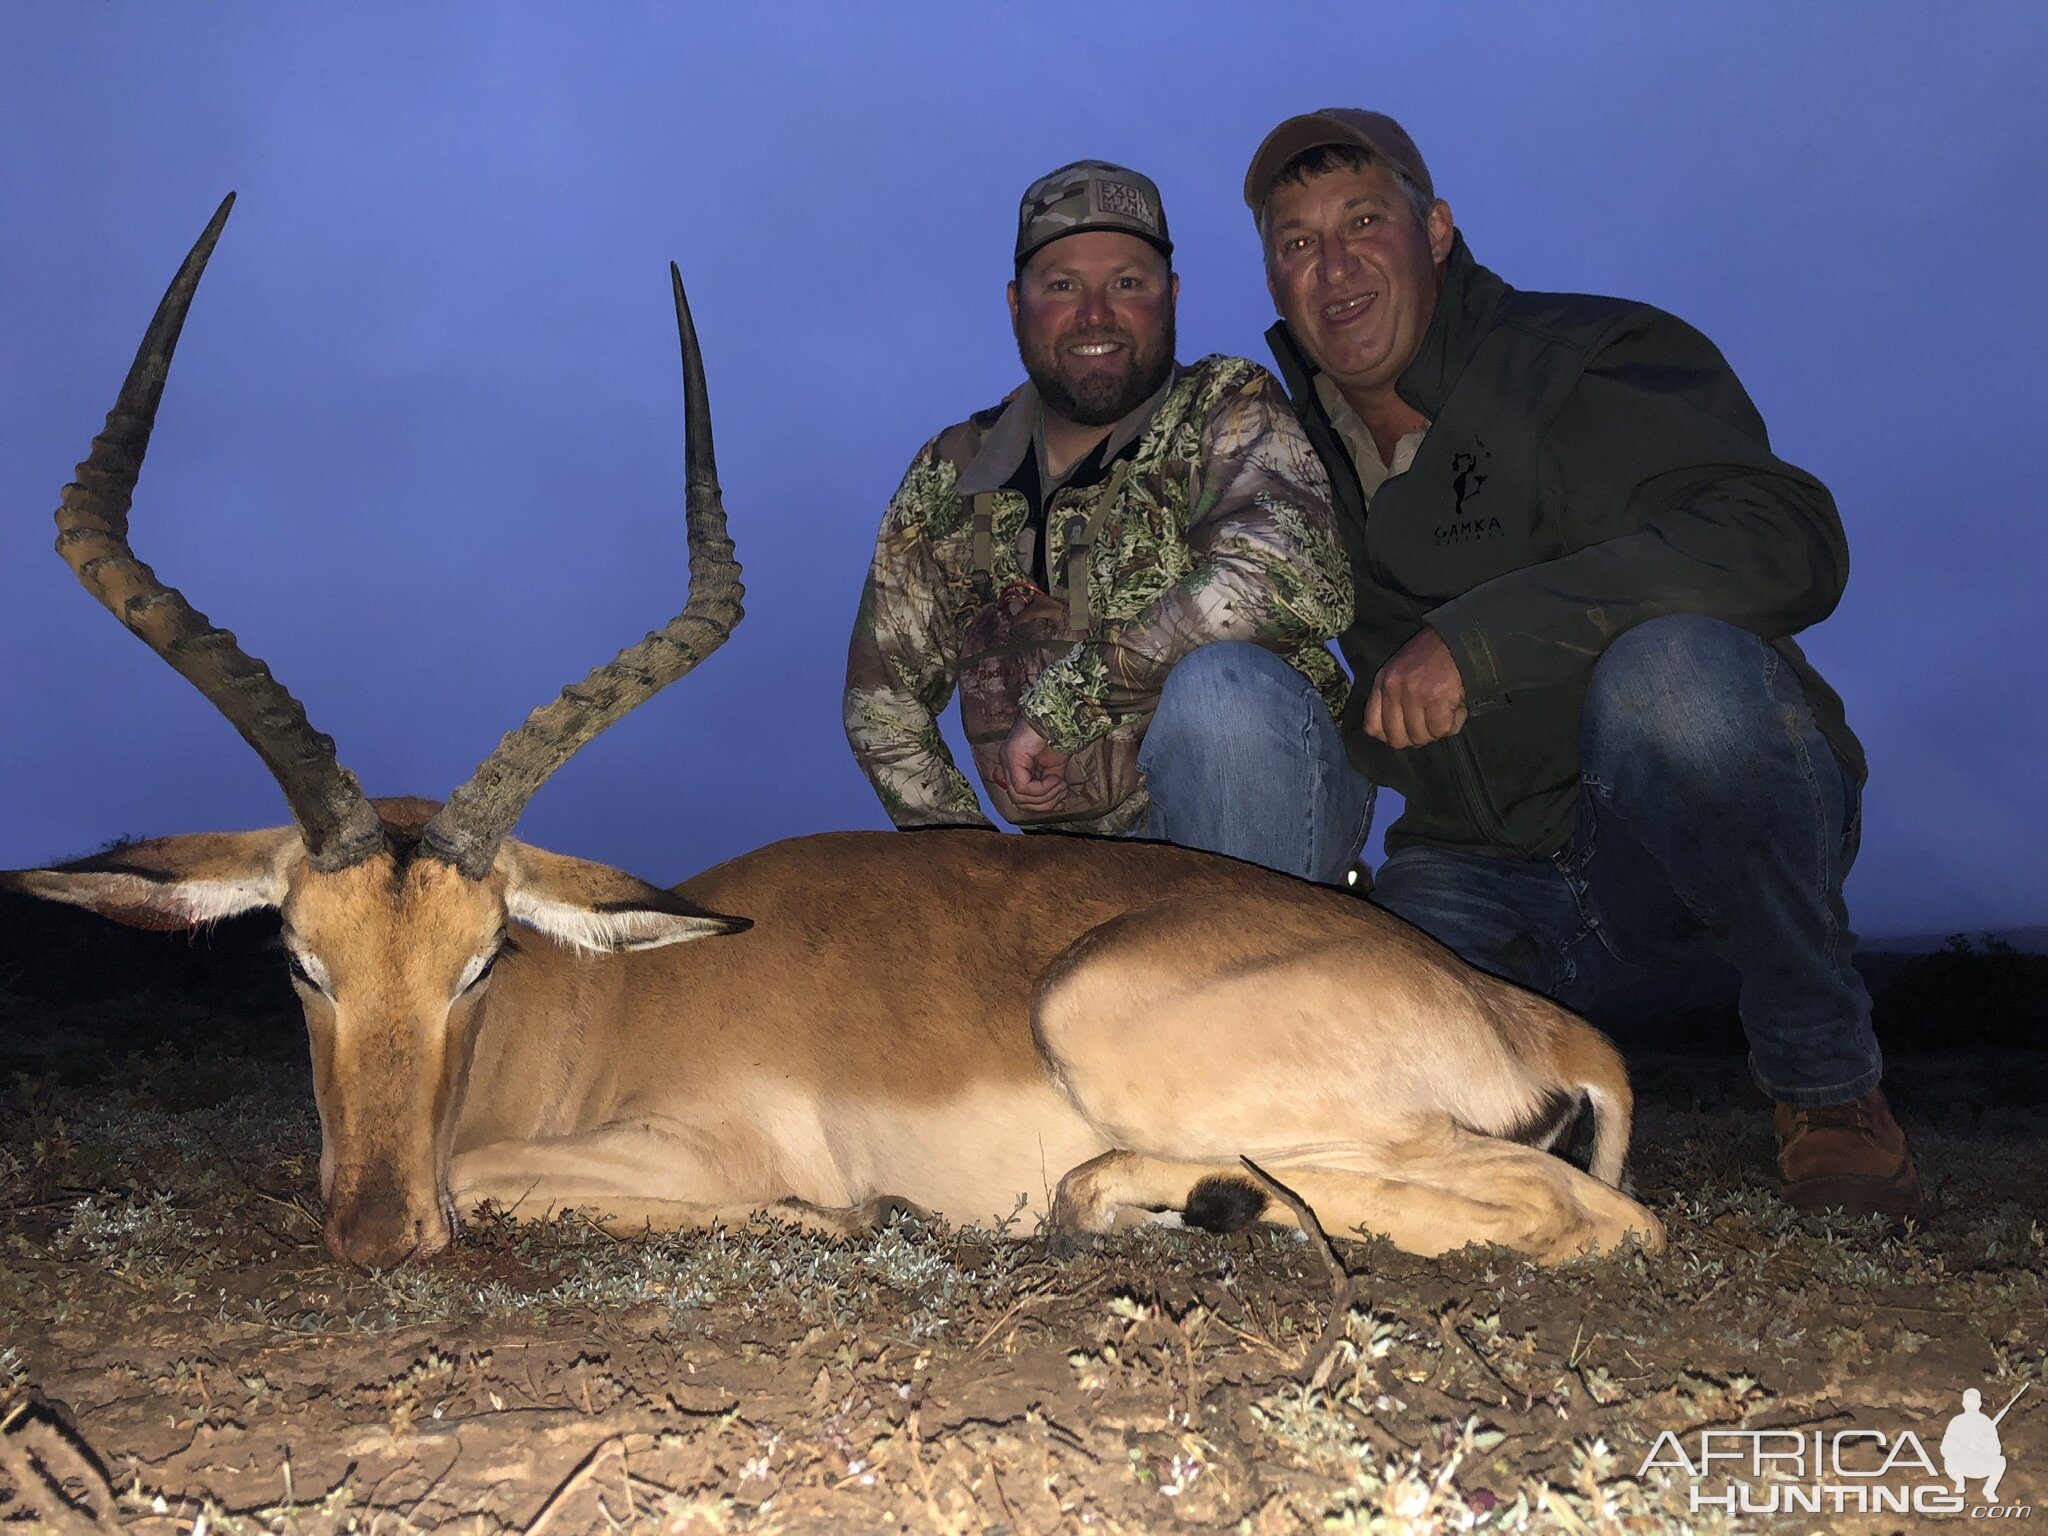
(1027, 1299)
(1343, 1289)
(585, 1470)
(996, 1481)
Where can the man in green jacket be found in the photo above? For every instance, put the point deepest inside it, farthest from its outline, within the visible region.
(1129, 569)
(1578, 569)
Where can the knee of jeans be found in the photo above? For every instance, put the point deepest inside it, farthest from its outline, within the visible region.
(1225, 686)
(1689, 695)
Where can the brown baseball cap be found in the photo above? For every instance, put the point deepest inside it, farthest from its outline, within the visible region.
(1353, 126)
(1089, 194)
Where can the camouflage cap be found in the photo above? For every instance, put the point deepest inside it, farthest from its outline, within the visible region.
(1089, 194)
(1334, 125)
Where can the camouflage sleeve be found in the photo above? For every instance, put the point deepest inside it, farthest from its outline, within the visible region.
(902, 661)
(1268, 566)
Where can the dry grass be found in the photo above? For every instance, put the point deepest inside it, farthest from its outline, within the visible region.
(182, 1356)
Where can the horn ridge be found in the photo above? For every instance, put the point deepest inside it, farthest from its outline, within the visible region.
(481, 812)
(335, 820)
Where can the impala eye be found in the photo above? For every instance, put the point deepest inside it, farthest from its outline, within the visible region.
(480, 970)
(301, 973)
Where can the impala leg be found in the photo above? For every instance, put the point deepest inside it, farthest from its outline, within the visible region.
(628, 1216)
(1100, 1194)
(1462, 1189)
(604, 1174)
(1419, 1218)
(1541, 1204)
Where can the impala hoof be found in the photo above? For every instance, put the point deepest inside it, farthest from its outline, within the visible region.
(1064, 1243)
(883, 1209)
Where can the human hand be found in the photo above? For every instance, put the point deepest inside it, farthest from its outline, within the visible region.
(1032, 770)
(1418, 696)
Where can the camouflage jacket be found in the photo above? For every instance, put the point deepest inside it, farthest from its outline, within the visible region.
(1222, 531)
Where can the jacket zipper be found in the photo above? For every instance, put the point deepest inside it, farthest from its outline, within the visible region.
(1478, 803)
(1323, 439)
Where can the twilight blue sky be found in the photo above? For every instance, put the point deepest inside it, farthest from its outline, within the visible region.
(421, 447)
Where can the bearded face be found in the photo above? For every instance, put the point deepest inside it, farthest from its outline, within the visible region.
(1093, 313)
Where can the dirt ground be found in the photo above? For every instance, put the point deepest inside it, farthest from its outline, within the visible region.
(180, 1354)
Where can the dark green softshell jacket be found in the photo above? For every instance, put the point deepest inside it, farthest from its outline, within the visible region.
(1590, 464)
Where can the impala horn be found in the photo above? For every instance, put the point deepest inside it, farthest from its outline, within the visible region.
(481, 813)
(337, 823)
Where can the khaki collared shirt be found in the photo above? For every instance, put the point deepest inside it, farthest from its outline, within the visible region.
(1373, 471)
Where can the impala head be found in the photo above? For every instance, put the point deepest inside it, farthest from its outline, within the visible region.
(396, 914)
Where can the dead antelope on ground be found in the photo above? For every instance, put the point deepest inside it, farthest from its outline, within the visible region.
(953, 1021)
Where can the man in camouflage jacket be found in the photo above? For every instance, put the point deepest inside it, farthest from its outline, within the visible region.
(1129, 568)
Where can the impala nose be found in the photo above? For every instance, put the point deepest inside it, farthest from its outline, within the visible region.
(372, 1223)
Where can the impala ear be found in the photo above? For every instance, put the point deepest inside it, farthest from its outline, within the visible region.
(169, 883)
(595, 907)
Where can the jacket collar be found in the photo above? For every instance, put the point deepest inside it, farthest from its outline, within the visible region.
(1465, 311)
(1016, 434)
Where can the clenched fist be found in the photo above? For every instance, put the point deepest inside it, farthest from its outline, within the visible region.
(1418, 696)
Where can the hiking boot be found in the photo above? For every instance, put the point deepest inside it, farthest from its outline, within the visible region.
(1849, 1155)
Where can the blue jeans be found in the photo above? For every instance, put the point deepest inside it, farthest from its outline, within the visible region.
(1242, 758)
(1713, 817)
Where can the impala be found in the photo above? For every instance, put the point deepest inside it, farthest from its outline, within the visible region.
(952, 1020)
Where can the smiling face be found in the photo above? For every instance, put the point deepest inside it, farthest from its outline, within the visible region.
(1355, 274)
(1093, 313)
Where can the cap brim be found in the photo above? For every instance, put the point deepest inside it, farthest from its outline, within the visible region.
(1162, 246)
(1311, 130)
